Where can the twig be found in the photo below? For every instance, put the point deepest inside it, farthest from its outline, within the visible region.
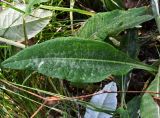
(156, 98)
(35, 113)
(102, 92)
(49, 100)
(77, 97)
(55, 98)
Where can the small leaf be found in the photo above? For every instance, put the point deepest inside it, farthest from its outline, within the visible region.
(75, 59)
(112, 23)
(123, 113)
(148, 105)
(106, 100)
(11, 23)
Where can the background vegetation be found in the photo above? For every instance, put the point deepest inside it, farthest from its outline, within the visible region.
(127, 36)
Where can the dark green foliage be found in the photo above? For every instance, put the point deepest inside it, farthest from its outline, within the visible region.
(86, 57)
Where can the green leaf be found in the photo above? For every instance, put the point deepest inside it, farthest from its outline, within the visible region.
(129, 43)
(149, 108)
(31, 3)
(148, 105)
(133, 107)
(123, 113)
(112, 23)
(74, 59)
(67, 9)
(11, 23)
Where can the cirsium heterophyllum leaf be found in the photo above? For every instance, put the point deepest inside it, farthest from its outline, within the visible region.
(74, 59)
(107, 24)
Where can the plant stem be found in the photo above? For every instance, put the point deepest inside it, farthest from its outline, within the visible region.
(123, 88)
(155, 9)
(25, 32)
(67, 9)
(10, 42)
(71, 14)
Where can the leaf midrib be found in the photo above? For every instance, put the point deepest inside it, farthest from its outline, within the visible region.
(140, 66)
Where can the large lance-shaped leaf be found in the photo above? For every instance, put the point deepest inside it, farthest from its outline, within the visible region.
(148, 105)
(105, 101)
(74, 59)
(11, 23)
(111, 23)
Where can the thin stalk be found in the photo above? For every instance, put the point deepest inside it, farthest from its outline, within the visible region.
(158, 83)
(123, 94)
(36, 112)
(72, 2)
(155, 9)
(32, 100)
(27, 78)
(10, 42)
(30, 88)
(67, 10)
(25, 32)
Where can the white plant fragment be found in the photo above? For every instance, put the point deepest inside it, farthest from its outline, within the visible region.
(12, 25)
(106, 100)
